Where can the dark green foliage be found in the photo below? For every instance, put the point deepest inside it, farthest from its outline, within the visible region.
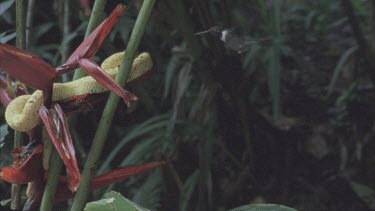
(289, 120)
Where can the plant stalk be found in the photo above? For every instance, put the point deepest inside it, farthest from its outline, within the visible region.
(363, 44)
(55, 168)
(29, 21)
(65, 33)
(16, 203)
(21, 23)
(111, 105)
(56, 164)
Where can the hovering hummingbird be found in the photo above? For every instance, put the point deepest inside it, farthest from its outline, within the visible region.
(232, 39)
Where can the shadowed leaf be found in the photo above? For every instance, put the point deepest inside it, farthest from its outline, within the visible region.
(113, 201)
(263, 207)
(4, 6)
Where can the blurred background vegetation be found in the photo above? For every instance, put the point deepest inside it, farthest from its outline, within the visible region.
(281, 111)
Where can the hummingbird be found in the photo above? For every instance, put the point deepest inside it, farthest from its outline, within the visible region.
(232, 39)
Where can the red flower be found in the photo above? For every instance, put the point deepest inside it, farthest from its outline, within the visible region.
(36, 73)
(26, 167)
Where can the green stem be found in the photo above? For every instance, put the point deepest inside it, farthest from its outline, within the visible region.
(108, 113)
(95, 18)
(18, 138)
(65, 34)
(21, 23)
(56, 164)
(55, 168)
(29, 21)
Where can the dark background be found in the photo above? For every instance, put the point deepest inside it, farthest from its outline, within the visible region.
(281, 112)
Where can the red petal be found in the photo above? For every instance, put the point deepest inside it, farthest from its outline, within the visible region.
(18, 51)
(25, 169)
(106, 80)
(26, 67)
(5, 97)
(122, 173)
(12, 175)
(111, 177)
(91, 44)
(55, 123)
(3, 81)
(31, 161)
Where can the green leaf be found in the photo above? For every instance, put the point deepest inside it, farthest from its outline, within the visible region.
(143, 150)
(5, 5)
(263, 207)
(365, 193)
(5, 202)
(171, 68)
(274, 80)
(3, 133)
(149, 194)
(6, 38)
(153, 124)
(42, 29)
(336, 72)
(360, 7)
(6, 145)
(188, 189)
(113, 201)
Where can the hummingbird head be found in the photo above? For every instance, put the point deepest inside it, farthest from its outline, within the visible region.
(216, 30)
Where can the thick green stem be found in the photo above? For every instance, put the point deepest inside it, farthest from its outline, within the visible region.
(29, 21)
(21, 23)
(18, 138)
(55, 168)
(65, 33)
(56, 163)
(108, 113)
(95, 18)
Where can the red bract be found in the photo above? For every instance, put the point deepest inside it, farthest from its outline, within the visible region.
(35, 190)
(27, 67)
(98, 74)
(5, 97)
(26, 167)
(36, 73)
(91, 44)
(88, 48)
(57, 128)
(3, 81)
(106, 179)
